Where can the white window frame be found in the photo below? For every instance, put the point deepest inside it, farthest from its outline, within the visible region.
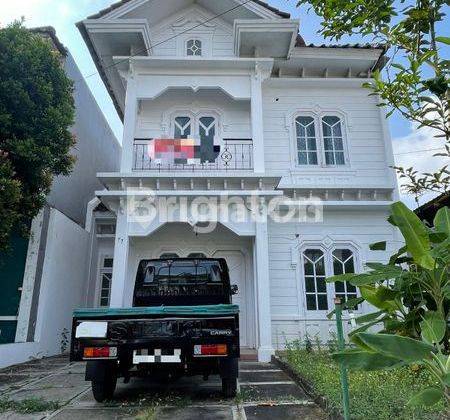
(319, 140)
(329, 271)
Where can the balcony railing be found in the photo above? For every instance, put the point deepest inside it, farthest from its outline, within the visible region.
(234, 155)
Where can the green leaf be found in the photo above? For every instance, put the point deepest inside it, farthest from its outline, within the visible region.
(414, 233)
(443, 39)
(368, 317)
(397, 347)
(341, 278)
(433, 327)
(359, 359)
(442, 220)
(378, 246)
(446, 379)
(380, 297)
(395, 256)
(428, 397)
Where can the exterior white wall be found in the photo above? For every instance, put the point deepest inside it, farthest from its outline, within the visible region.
(154, 118)
(362, 128)
(62, 289)
(96, 150)
(358, 229)
(216, 35)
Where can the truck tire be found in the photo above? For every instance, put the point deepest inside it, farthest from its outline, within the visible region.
(103, 376)
(104, 390)
(229, 387)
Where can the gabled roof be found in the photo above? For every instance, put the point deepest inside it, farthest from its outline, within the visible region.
(120, 3)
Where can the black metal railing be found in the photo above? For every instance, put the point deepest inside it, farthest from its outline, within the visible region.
(234, 155)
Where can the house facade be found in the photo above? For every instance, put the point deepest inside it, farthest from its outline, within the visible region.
(223, 98)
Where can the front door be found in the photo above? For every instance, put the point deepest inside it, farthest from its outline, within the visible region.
(236, 266)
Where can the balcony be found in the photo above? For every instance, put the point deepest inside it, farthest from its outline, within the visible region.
(231, 155)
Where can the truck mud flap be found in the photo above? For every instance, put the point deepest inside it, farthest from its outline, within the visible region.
(98, 370)
(229, 368)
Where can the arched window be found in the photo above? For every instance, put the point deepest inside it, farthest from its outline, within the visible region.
(315, 285)
(319, 264)
(333, 140)
(194, 47)
(306, 140)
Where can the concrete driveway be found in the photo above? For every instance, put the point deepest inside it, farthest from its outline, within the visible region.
(58, 387)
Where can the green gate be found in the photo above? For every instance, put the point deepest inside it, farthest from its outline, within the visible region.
(12, 268)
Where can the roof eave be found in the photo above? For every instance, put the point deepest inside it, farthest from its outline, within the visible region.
(85, 35)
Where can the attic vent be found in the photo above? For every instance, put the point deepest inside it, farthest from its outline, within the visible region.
(194, 47)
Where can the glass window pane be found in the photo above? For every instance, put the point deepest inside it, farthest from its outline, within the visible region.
(330, 119)
(301, 144)
(338, 144)
(312, 156)
(312, 144)
(320, 267)
(305, 120)
(311, 130)
(311, 302)
(328, 143)
(337, 132)
(349, 266)
(329, 158)
(105, 293)
(340, 160)
(338, 268)
(326, 130)
(321, 284)
(350, 288)
(310, 284)
(323, 302)
(339, 287)
(301, 131)
(104, 302)
(302, 158)
(108, 262)
(308, 268)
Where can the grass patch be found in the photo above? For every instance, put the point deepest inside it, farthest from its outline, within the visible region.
(31, 405)
(380, 395)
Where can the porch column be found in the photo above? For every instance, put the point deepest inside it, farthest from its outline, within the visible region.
(121, 249)
(129, 125)
(257, 121)
(262, 282)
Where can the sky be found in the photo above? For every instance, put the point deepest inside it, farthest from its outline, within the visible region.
(63, 14)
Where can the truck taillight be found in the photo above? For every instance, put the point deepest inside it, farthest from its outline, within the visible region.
(99, 352)
(210, 350)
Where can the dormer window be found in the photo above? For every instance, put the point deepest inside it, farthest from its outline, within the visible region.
(194, 47)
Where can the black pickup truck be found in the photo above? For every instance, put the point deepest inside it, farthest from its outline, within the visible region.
(182, 323)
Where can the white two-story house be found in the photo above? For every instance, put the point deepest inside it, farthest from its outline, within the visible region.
(224, 98)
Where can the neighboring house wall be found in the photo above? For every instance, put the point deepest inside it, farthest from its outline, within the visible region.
(62, 280)
(96, 150)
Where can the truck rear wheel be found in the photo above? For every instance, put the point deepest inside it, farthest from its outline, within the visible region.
(229, 387)
(103, 377)
(104, 390)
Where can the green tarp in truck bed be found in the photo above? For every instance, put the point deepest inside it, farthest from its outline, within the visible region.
(157, 310)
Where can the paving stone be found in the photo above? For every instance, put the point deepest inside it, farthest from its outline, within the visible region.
(285, 412)
(272, 392)
(17, 416)
(96, 414)
(60, 394)
(256, 366)
(266, 376)
(194, 413)
(59, 380)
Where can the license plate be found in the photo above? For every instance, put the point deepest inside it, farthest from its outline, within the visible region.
(143, 356)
